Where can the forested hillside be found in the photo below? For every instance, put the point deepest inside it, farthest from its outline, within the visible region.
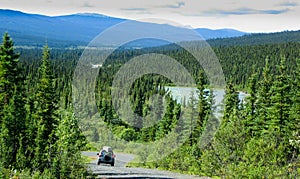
(41, 135)
(238, 62)
(258, 39)
(256, 138)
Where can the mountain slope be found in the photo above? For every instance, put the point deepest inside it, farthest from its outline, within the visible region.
(31, 29)
(219, 33)
(76, 29)
(258, 39)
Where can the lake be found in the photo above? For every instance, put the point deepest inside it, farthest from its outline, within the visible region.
(181, 94)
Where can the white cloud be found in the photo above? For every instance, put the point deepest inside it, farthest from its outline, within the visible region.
(253, 16)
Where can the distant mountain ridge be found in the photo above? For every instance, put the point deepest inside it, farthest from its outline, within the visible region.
(258, 39)
(32, 29)
(219, 33)
(72, 30)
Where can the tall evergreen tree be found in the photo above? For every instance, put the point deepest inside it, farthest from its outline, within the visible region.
(191, 117)
(9, 72)
(164, 126)
(203, 106)
(12, 117)
(253, 124)
(231, 103)
(12, 130)
(295, 111)
(45, 115)
(263, 98)
(281, 102)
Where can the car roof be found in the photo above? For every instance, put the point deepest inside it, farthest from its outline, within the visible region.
(107, 148)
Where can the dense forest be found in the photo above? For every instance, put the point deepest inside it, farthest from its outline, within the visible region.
(257, 39)
(42, 136)
(256, 138)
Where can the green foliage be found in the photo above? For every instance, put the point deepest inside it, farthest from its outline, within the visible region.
(70, 143)
(204, 107)
(11, 104)
(128, 134)
(231, 103)
(45, 115)
(257, 39)
(9, 72)
(12, 128)
(35, 142)
(263, 158)
(257, 139)
(227, 148)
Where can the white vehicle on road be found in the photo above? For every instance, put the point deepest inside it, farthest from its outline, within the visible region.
(107, 156)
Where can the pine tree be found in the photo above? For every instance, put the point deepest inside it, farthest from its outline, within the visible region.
(13, 129)
(281, 123)
(295, 120)
(12, 117)
(203, 107)
(212, 124)
(190, 118)
(9, 72)
(231, 103)
(281, 102)
(45, 115)
(295, 111)
(263, 98)
(253, 124)
(176, 116)
(166, 123)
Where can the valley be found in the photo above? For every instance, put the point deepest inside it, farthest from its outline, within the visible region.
(63, 91)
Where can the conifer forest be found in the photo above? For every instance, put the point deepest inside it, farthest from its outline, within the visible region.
(41, 136)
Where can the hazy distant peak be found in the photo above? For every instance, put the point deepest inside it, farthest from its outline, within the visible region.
(16, 13)
(81, 28)
(92, 15)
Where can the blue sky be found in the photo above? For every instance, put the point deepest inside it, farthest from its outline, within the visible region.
(244, 15)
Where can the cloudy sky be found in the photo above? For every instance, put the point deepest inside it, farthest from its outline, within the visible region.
(244, 15)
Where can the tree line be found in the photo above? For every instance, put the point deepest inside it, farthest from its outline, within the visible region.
(39, 137)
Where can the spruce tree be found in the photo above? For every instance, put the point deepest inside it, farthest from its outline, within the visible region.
(253, 123)
(231, 103)
(281, 103)
(12, 117)
(9, 72)
(281, 123)
(164, 126)
(295, 120)
(13, 129)
(190, 119)
(45, 115)
(203, 107)
(263, 98)
(295, 111)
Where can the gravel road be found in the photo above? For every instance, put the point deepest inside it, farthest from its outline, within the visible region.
(121, 171)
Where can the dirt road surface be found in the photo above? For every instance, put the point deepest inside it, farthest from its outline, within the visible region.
(121, 171)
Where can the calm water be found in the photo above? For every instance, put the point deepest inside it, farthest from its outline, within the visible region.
(182, 94)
